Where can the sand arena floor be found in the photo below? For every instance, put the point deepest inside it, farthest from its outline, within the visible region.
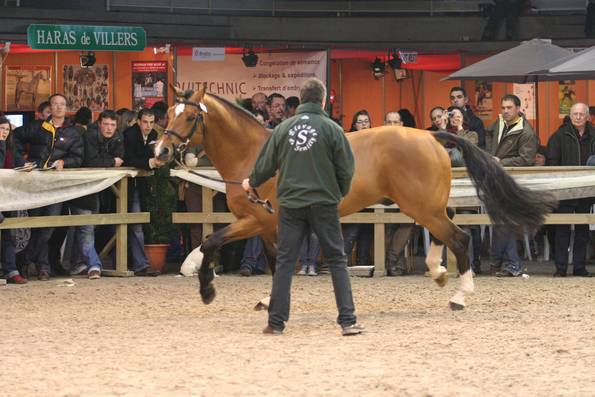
(142, 336)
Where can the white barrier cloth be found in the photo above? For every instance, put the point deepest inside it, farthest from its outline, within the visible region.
(563, 184)
(34, 189)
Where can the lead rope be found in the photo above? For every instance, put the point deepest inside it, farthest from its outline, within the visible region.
(252, 197)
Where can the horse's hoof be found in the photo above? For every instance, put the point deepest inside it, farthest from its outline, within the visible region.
(442, 279)
(208, 294)
(260, 307)
(455, 306)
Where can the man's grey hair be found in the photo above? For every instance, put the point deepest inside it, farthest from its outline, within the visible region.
(313, 90)
(584, 105)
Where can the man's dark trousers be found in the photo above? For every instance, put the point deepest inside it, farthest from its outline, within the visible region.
(581, 237)
(294, 225)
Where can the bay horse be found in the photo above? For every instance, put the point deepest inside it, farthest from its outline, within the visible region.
(404, 165)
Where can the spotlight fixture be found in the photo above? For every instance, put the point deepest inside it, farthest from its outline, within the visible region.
(394, 60)
(378, 68)
(249, 58)
(88, 59)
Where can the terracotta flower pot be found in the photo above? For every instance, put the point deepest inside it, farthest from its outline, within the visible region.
(156, 254)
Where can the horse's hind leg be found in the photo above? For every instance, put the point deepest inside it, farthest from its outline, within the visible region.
(443, 229)
(270, 251)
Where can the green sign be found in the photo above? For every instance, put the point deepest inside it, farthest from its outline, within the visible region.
(86, 38)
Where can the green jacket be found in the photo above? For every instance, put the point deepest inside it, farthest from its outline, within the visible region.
(313, 157)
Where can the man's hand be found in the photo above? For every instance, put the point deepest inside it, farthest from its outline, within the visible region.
(58, 164)
(496, 158)
(246, 185)
(118, 162)
(155, 163)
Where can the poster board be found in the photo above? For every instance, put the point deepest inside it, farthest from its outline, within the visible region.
(86, 86)
(149, 83)
(25, 87)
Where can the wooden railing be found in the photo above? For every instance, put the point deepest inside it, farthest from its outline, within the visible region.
(122, 218)
(379, 217)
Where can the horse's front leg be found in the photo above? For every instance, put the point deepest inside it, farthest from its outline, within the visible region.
(241, 229)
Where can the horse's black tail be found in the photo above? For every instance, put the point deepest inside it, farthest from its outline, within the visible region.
(506, 201)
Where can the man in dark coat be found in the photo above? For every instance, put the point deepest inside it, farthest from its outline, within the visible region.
(138, 153)
(572, 144)
(53, 143)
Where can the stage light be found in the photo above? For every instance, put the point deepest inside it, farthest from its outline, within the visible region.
(378, 68)
(161, 50)
(394, 60)
(250, 59)
(88, 59)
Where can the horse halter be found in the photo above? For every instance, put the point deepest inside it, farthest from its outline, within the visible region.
(181, 148)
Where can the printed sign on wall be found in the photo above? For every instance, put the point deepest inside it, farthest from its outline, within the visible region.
(526, 93)
(282, 73)
(149, 83)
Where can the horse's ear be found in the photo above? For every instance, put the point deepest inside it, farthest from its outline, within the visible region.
(177, 91)
(199, 94)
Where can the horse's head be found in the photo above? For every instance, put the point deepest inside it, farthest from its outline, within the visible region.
(186, 124)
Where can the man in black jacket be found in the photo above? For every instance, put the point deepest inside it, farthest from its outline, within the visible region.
(52, 144)
(459, 98)
(572, 144)
(104, 148)
(138, 152)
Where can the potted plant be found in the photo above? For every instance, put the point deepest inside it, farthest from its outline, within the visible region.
(158, 197)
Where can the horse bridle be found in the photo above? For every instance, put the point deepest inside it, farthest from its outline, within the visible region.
(181, 148)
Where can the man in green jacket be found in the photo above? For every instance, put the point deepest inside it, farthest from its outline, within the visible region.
(315, 165)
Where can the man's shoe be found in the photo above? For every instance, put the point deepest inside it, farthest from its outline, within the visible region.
(476, 267)
(312, 271)
(353, 329)
(43, 275)
(146, 272)
(504, 273)
(559, 274)
(583, 273)
(18, 279)
(245, 271)
(303, 271)
(268, 330)
(495, 269)
(94, 275)
(80, 270)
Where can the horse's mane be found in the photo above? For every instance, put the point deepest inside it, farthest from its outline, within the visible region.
(236, 109)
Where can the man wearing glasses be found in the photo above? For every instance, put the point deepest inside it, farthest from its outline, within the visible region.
(459, 98)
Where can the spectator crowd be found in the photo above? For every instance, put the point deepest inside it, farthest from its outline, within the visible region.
(124, 138)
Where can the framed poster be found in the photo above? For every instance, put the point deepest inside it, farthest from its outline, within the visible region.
(483, 100)
(149, 83)
(86, 87)
(526, 93)
(566, 97)
(25, 87)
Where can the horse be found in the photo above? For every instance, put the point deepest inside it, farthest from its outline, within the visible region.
(28, 87)
(396, 164)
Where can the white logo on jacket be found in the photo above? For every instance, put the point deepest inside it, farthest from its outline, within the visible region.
(302, 137)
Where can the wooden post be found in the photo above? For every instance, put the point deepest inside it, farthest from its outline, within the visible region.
(207, 208)
(121, 233)
(379, 248)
